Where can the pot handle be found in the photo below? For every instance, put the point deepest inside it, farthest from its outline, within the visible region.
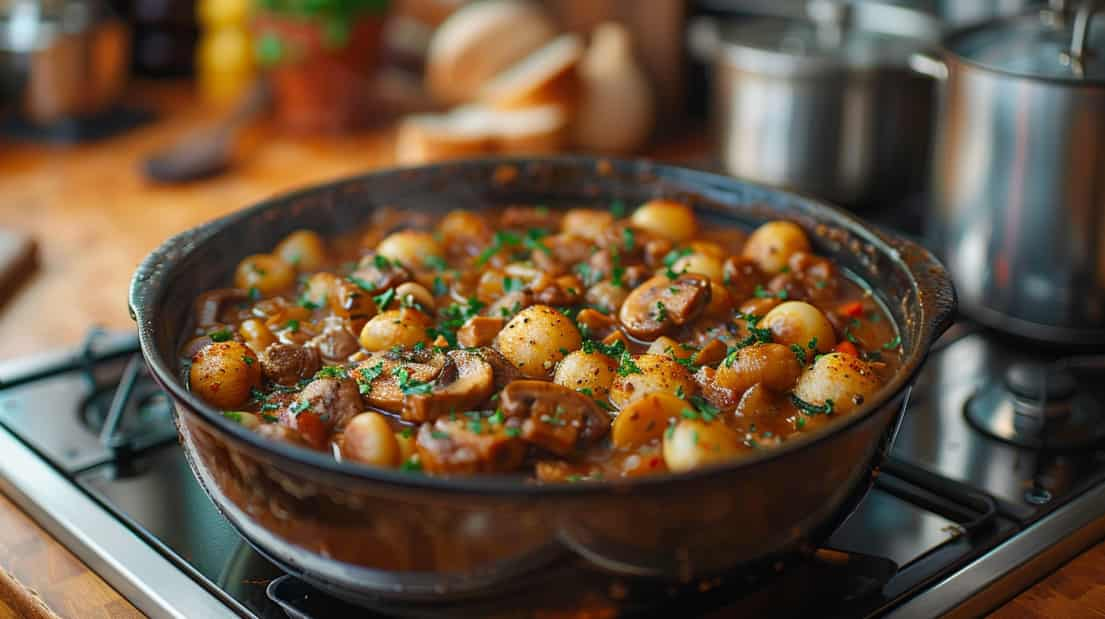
(1081, 29)
(929, 64)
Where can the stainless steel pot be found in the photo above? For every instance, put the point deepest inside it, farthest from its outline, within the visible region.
(61, 59)
(1019, 172)
(824, 104)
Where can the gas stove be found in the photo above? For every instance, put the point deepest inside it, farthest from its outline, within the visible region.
(975, 502)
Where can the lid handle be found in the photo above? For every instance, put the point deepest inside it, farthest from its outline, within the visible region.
(830, 18)
(1078, 46)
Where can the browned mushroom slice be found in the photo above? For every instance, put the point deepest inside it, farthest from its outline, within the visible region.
(382, 377)
(554, 417)
(334, 400)
(529, 217)
(335, 343)
(480, 331)
(660, 304)
(461, 446)
(376, 273)
(287, 364)
(742, 275)
(465, 381)
(505, 371)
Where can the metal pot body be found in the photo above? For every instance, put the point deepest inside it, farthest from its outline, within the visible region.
(856, 136)
(368, 534)
(1019, 202)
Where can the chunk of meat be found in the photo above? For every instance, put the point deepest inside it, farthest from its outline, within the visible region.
(378, 377)
(529, 217)
(660, 304)
(335, 343)
(563, 290)
(334, 400)
(464, 382)
(555, 418)
(480, 331)
(459, 446)
(287, 364)
(742, 275)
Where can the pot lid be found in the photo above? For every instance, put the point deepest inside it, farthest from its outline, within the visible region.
(1043, 44)
(830, 34)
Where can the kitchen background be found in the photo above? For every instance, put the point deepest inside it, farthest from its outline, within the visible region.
(975, 125)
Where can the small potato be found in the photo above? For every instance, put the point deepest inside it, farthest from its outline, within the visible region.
(586, 223)
(664, 345)
(666, 219)
(702, 264)
(845, 379)
(773, 243)
(797, 322)
(368, 439)
(693, 444)
(658, 374)
(645, 420)
(581, 370)
(410, 248)
(223, 373)
(463, 228)
(711, 249)
(534, 339)
(303, 249)
(349, 300)
(402, 327)
(607, 296)
(772, 365)
(256, 334)
(265, 272)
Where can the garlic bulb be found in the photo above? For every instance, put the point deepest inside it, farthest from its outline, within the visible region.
(617, 109)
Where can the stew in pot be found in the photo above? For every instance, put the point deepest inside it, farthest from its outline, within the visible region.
(563, 345)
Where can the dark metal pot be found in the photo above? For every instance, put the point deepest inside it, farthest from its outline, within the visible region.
(364, 533)
(1019, 203)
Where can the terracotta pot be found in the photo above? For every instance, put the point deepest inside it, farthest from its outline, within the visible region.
(321, 77)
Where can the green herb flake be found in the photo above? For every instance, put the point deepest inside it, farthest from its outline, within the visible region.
(617, 209)
(234, 416)
(254, 293)
(439, 435)
(292, 325)
(628, 240)
(364, 386)
(381, 262)
(385, 299)
(246, 359)
(222, 335)
(435, 262)
(440, 289)
(511, 284)
(299, 406)
(332, 371)
(513, 431)
(893, 344)
(408, 386)
(626, 364)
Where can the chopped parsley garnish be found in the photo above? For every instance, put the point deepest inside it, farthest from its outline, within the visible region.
(439, 435)
(496, 417)
(671, 258)
(476, 426)
(812, 409)
(511, 284)
(381, 262)
(306, 302)
(222, 335)
(799, 353)
(708, 411)
(848, 335)
(820, 284)
(409, 386)
(616, 271)
(254, 293)
(679, 393)
(587, 274)
(331, 371)
(617, 209)
(439, 287)
(383, 300)
(299, 407)
(513, 431)
(412, 464)
(454, 316)
(248, 360)
(269, 418)
(500, 240)
(406, 432)
(364, 386)
(435, 262)
(628, 239)
(626, 364)
(292, 325)
(661, 312)
(360, 283)
(761, 292)
(532, 241)
(234, 416)
(872, 355)
(894, 343)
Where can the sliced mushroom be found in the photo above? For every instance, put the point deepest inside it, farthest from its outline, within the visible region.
(660, 304)
(464, 382)
(377, 273)
(379, 376)
(288, 364)
(460, 447)
(529, 217)
(334, 400)
(721, 397)
(554, 417)
(505, 372)
(480, 331)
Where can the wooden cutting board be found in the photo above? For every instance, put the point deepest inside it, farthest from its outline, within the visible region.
(18, 258)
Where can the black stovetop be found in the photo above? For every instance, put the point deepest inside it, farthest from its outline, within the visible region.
(949, 497)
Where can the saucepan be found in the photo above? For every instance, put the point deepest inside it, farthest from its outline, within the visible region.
(368, 534)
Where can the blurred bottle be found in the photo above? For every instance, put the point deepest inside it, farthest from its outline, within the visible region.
(224, 55)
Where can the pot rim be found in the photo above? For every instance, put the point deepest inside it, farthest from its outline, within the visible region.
(948, 54)
(930, 281)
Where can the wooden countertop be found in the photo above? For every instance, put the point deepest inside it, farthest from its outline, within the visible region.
(95, 217)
